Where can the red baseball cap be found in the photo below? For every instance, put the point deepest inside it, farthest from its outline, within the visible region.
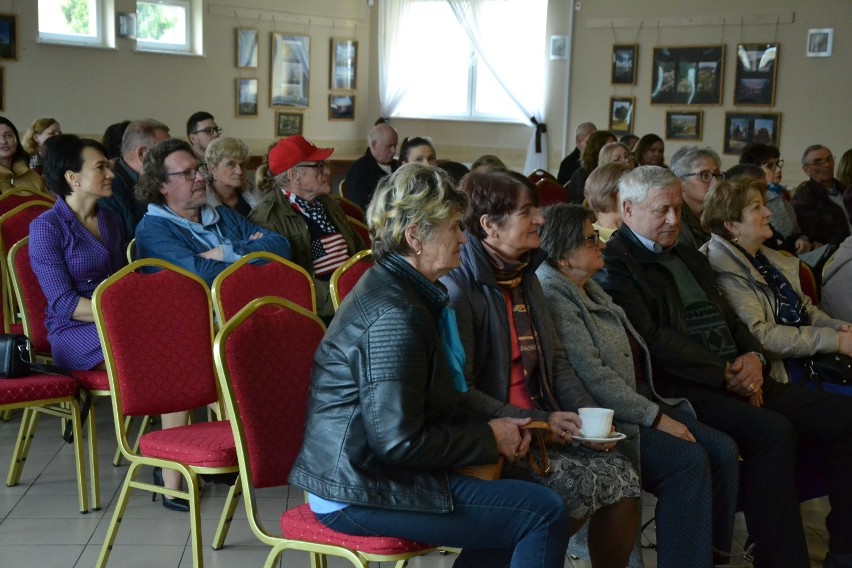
(294, 150)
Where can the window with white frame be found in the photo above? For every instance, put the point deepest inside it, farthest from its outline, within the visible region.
(76, 22)
(164, 25)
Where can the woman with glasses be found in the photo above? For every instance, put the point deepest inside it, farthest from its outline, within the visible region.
(616, 152)
(680, 460)
(300, 207)
(820, 208)
(698, 170)
(225, 158)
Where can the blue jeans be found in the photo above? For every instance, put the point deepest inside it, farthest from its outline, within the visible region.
(496, 523)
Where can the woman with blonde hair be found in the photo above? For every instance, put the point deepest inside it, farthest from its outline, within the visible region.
(602, 197)
(41, 130)
(225, 159)
(616, 152)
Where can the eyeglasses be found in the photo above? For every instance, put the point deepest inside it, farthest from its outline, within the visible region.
(822, 161)
(593, 239)
(774, 166)
(209, 131)
(319, 165)
(706, 175)
(189, 175)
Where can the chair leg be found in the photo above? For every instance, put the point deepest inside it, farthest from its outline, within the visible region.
(6, 415)
(94, 462)
(29, 420)
(117, 515)
(194, 518)
(79, 460)
(227, 514)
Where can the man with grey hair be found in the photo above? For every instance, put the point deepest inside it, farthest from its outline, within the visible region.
(822, 215)
(571, 163)
(377, 162)
(139, 137)
(700, 351)
(698, 170)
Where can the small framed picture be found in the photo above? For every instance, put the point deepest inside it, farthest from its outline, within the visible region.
(757, 68)
(819, 42)
(621, 115)
(8, 36)
(624, 64)
(558, 47)
(344, 64)
(684, 124)
(288, 123)
(688, 75)
(247, 48)
(742, 129)
(246, 97)
(341, 107)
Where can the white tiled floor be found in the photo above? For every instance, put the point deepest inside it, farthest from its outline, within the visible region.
(40, 525)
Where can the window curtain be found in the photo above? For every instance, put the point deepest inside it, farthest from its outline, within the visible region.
(392, 80)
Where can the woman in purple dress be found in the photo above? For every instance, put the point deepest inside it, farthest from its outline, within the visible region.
(74, 247)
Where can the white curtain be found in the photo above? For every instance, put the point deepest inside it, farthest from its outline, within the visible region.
(392, 80)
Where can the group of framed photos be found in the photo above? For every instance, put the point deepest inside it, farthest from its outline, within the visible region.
(290, 78)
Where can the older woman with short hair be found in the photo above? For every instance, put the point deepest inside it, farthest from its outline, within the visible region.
(386, 380)
(698, 170)
(225, 158)
(39, 132)
(602, 197)
(588, 162)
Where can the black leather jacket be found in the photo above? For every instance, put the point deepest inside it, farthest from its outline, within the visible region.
(383, 428)
(647, 292)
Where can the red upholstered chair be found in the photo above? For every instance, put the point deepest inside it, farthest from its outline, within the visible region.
(156, 329)
(540, 174)
(362, 230)
(254, 386)
(11, 199)
(347, 275)
(808, 283)
(350, 208)
(551, 192)
(257, 275)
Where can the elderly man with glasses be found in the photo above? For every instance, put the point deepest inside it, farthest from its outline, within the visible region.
(299, 206)
(698, 170)
(819, 201)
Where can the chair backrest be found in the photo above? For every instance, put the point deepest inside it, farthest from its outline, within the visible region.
(257, 275)
(808, 283)
(131, 250)
(350, 208)
(31, 298)
(362, 230)
(551, 192)
(156, 329)
(540, 174)
(347, 275)
(267, 401)
(341, 189)
(11, 199)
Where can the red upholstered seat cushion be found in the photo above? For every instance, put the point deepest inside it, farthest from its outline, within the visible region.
(16, 328)
(36, 387)
(208, 444)
(300, 523)
(92, 380)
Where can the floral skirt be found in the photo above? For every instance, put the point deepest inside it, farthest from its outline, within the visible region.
(585, 479)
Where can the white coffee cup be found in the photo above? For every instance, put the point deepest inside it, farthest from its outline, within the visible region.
(595, 422)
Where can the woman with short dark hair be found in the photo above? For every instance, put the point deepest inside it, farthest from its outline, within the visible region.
(417, 150)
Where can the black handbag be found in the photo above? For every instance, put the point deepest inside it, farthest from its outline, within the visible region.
(832, 368)
(14, 356)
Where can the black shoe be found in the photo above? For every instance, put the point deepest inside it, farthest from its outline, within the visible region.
(223, 478)
(175, 504)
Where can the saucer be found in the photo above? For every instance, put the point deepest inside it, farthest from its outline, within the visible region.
(614, 437)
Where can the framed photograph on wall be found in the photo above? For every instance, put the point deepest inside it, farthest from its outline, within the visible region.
(8, 36)
(558, 47)
(624, 59)
(684, 124)
(246, 48)
(757, 69)
(742, 128)
(2, 88)
(688, 75)
(819, 42)
(341, 107)
(288, 123)
(290, 70)
(246, 98)
(343, 70)
(621, 115)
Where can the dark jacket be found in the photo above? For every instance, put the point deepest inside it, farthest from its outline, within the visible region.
(647, 292)
(820, 218)
(568, 166)
(123, 199)
(362, 178)
(383, 427)
(484, 328)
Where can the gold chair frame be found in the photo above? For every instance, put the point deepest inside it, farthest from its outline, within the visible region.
(334, 286)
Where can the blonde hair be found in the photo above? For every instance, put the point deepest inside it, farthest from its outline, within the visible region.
(227, 147)
(38, 126)
(601, 189)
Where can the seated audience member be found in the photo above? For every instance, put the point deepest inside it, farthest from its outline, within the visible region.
(179, 227)
(488, 161)
(571, 162)
(394, 476)
(616, 152)
(201, 130)
(762, 285)
(844, 170)
(377, 162)
(515, 365)
(36, 135)
(702, 352)
(602, 196)
(111, 139)
(596, 141)
(456, 170)
(74, 247)
(225, 158)
(629, 140)
(818, 202)
(835, 296)
(650, 151)
(300, 207)
(682, 460)
(698, 170)
(139, 137)
(15, 172)
(417, 150)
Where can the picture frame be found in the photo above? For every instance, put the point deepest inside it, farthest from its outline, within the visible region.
(341, 107)
(688, 75)
(624, 64)
(558, 47)
(2, 88)
(820, 41)
(684, 125)
(755, 77)
(289, 74)
(743, 128)
(246, 97)
(621, 117)
(246, 52)
(288, 123)
(9, 37)
(343, 68)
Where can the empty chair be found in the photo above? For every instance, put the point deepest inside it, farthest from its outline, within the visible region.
(541, 174)
(347, 275)
(551, 192)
